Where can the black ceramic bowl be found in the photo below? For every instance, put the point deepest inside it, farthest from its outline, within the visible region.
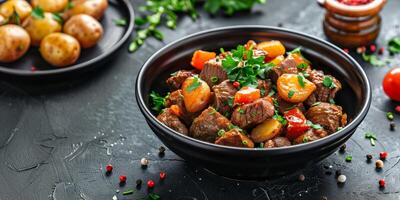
(355, 98)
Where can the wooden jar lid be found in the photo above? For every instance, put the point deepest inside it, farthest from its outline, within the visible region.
(370, 9)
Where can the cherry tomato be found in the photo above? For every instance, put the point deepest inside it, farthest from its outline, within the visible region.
(200, 57)
(247, 95)
(391, 84)
(296, 123)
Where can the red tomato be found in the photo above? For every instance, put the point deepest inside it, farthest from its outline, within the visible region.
(200, 57)
(247, 95)
(296, 123)
(391, 84)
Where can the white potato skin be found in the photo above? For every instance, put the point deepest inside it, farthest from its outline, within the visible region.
(40, 28)
(94, 8)
(60, 49)
(86, 29)
(14, 42)
(50, 5)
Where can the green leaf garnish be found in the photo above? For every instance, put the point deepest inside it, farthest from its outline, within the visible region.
(194, 85)
(120, 22)
(300, 79)
(394, 45)
(314, 126)
(328, 82)
(58, 17)
(37, 13)
(158, 101)
(154, 196)
(290, 94)
(279, 118)
(302, 66)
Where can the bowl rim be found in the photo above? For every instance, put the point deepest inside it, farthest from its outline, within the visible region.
(126, 4)
(293, 148)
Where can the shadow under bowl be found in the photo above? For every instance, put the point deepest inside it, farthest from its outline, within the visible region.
(257, 163)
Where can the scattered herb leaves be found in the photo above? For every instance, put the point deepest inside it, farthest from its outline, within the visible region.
(58, 17)
(279, 118)
(154, 196)
(314, 126)
(300, 78)
(290, 94)
(371, 136)
(394, 45)
(194, 85)
(38, 13)
(158, 101)
(328, 82)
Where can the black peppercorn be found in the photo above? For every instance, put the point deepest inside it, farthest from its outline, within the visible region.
(369, 157)
(161, 151)
(139, 182)
(392, 126)
(343, 148)
(338, 173)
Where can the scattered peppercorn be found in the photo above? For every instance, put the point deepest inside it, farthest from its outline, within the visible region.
(122, 179)
(369, 157)
(163, 175)
(392, 126)
(379, 164)
(360, 50)
(109, 168)
(328, 172)
(161, 151)
(338, 173)
(236, 84)
(372, 48)
(343, 148)
(381, 50)
(150, 184)
(382, 183)
(383, 155)
(397, 109)
(302, 177)
(390, 116)
(341, 178)
(144, 162)
(139, 182)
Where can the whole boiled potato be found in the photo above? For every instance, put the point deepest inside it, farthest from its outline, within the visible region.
(40, 27)
(60, 49)
(86, 29)
(50, 5)
(94, 8)
(14, 43)
(21, 7)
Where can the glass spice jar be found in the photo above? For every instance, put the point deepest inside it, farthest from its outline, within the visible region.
(352, 23)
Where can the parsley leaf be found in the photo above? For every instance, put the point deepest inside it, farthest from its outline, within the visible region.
(37, 13)
(394, 45)
(230, 6)
(314, 126)
(302, 66)
(158, 101)
(58, 17)
(328, 82)
(290, 94)
(120, 22)
(279, 118)
(300, 78)
(154, 196)
(194, 85)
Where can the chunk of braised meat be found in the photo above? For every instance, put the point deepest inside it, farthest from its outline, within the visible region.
(284, 106)
(223, 96)
(235, 138)
(287, 66)
(249, 115)
(212, 72)
(168, 118)
(311, 135)
(177, 78)
(206, 126)
(322, 93)
(327, 115)
(277, 142)
(264, 86)
(176, 98)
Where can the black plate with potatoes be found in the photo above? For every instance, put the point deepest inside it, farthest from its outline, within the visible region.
(32, 65)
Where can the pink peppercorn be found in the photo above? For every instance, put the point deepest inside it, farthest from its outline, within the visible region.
(383, 155)
(163, 175)
(397, 109)
(381, 50)
(122, 179)
(109, 168)
(372, 48)
(150, 184)
(382, 183)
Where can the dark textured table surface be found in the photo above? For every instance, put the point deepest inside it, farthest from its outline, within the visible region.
(56, 139)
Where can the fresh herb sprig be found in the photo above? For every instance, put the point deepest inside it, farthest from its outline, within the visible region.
(371, 136)
(394, 45)
(158, 12)
(158, 101)
(243, 67)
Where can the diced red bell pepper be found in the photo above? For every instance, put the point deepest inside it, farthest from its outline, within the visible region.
(200, 57)
(247, 95)
(296, 123)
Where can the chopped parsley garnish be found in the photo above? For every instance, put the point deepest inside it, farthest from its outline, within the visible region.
(273, 91)
(300, 78)
(243, 67)
(302, 66)
(328, 82)
(390, 116)
(195, 84)
(290, 94)
(158, 101)
(222, 50)
(154, 196)
(315, 104)
(38, 13)
(371, 136)
(213, 111)
(241, 111)
(262, 92)
(314, 126)
(231, 126)
(394, 45)
(275, 102)
(214, 79)
(120, 22)
(296, 50)
(291, 107)
(230, 101)
(279, 118)
(58, 17)
(305, 139)
(128, 192)
(221, 132)
(244, 142)
(349, 158)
